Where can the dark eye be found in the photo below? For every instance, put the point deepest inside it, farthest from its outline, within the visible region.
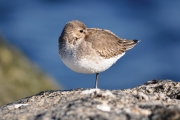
(80, 31)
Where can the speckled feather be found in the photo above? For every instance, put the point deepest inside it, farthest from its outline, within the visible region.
(107, 44)
(90, 50)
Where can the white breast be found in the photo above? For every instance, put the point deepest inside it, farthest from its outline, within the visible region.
(88, 64)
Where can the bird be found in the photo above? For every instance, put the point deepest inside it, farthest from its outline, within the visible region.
(91, 50)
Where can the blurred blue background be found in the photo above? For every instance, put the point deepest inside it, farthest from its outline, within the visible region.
(35, 25)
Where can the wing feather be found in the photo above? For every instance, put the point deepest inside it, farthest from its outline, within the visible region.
(107, 44)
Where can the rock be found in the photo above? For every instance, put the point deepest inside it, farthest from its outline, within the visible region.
(154, 100)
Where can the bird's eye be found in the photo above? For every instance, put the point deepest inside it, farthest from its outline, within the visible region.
(80, 31)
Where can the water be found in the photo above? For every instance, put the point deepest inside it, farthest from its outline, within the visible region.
(34, 26)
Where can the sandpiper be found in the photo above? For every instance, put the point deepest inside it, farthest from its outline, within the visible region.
(91, 50)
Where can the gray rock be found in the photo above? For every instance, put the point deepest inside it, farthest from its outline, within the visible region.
(154, 100)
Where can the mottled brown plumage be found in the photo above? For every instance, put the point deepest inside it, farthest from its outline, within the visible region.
(91, 50)
(108, 44)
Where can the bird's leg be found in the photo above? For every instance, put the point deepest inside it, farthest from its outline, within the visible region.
(96, 83)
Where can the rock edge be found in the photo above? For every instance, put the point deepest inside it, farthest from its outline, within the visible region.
(154, 100)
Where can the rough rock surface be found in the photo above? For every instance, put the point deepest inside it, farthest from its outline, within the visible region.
(154, 100)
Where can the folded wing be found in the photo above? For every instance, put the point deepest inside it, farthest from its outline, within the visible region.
(108, 44)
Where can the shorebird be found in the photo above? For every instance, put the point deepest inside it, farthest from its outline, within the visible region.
(91, 50)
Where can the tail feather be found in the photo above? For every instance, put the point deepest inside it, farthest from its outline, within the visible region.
(128, 44)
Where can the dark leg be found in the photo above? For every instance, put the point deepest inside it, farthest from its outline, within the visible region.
(96, 84)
